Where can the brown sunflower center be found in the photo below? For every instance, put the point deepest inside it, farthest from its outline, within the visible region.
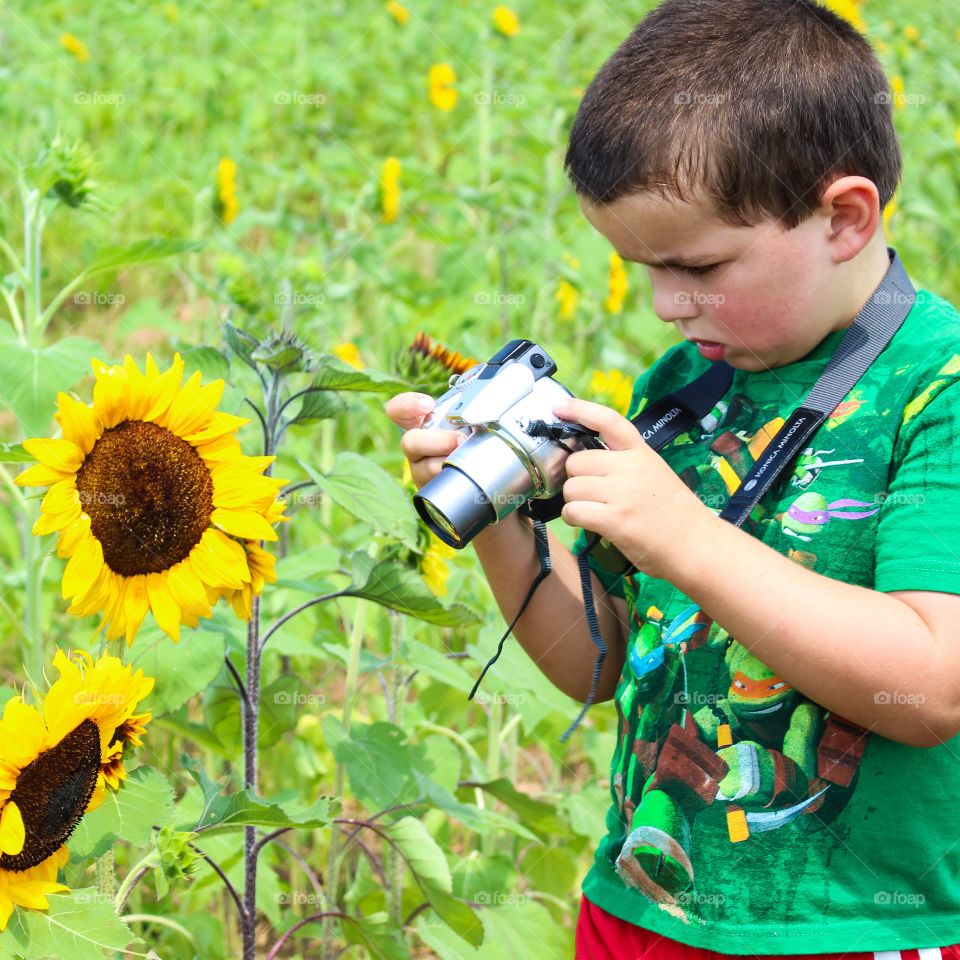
(149, 496)
(52, 793)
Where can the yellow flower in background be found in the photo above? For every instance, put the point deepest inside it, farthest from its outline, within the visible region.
(441, 80)
(57, 760)
(617, 284)
(888, 211)
(505, 21)
(152, 499)
(572, 261)
(433, 566)
(849, 10)
(613, 388)
(568, 297)
(75, 46)
(390, 189)
(911, 33)
(227, 189)
(897, 90)
(348, 353)
(399, 12)
(171, 12)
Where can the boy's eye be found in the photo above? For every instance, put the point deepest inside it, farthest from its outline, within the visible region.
(700, 271)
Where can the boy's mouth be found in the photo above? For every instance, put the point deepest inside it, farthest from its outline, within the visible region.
(710, 349)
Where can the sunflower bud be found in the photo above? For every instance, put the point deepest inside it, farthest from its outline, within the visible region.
(428, 365)
(62, 171)
(283, 351)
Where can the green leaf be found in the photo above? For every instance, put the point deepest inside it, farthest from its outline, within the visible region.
(382, 940)
(483, 821)
(222, 813)
(239, 341)
(81, 925)
(335, 374)
(457, 915)
(378, 760)
(31, 377)
(319, 405)
(143, 251)
(400, 588)
(211, 363)
(421, 852)
(14, 453)
(280, 703)
(369, 493)
(144, 799)
(180, 669)
(536, 814)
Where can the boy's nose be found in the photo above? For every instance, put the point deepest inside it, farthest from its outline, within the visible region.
(672, 300)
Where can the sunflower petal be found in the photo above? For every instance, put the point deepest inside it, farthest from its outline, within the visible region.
(220, 561)
(62, 455)
(243, 523)
(83, 569)
(77, 421)
(220, 424)
(188, 590)
(165, 609)
(12, 834)
(41, 476)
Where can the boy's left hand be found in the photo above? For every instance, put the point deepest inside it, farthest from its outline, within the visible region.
(628, 494)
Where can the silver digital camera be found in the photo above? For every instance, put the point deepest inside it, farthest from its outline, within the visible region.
(515, 449)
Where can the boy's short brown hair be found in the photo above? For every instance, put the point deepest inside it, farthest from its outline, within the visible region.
(758, 102)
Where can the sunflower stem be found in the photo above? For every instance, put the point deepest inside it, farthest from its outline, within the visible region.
(251, 709)
(132, 878)
(336, 833)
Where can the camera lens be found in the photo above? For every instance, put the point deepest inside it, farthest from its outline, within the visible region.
(439, 520)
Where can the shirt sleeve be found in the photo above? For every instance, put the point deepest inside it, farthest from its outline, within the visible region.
(918, 531)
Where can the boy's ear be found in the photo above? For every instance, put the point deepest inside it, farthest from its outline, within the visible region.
(851, 207)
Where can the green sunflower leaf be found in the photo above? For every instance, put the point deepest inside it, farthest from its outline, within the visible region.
(231, 812)
(144, 799)
(421, 853)
(14, 453)
(381, 938)
(332, 373)
(31, 377)
(369, 493)
(180, 669)
(143, 251)
(400, 588)
(80, 925)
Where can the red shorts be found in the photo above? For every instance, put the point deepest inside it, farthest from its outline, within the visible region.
(601, 936)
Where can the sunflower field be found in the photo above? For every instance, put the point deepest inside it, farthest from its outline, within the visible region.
(236, 668)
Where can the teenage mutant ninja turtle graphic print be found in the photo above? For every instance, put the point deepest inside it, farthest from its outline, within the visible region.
(702, 722)
(742, 812)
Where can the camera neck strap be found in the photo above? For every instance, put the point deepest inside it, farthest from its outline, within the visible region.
(663, 420)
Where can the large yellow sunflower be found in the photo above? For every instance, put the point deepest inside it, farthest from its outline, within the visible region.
(54, 764)
(152, 499)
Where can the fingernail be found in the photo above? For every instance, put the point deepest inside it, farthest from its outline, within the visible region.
(425, 404)
(561, 408)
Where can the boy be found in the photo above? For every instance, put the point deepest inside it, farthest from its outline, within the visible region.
(784, 782)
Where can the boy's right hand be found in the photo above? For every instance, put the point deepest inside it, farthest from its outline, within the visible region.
(424, 449)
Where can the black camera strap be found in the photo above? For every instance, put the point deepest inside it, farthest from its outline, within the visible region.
(871, 331)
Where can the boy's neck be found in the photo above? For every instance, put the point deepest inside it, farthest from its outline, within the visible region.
(860, 277)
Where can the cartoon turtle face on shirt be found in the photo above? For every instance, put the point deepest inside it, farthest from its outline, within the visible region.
(756, 692)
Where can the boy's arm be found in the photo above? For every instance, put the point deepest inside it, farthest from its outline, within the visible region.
(553, 629)
(887, 661)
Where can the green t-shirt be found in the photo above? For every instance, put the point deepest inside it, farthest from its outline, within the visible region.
(831, 839)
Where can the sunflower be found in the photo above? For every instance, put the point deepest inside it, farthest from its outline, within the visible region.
(53, 759)
(152, 499)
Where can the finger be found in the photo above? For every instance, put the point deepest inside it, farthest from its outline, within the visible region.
(587, 514)
(589, 489)
(418, 444)
(409, 410)
(594, 463)
(424, 470)
(615, 431)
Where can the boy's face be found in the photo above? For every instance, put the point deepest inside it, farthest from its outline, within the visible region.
(772, 296)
